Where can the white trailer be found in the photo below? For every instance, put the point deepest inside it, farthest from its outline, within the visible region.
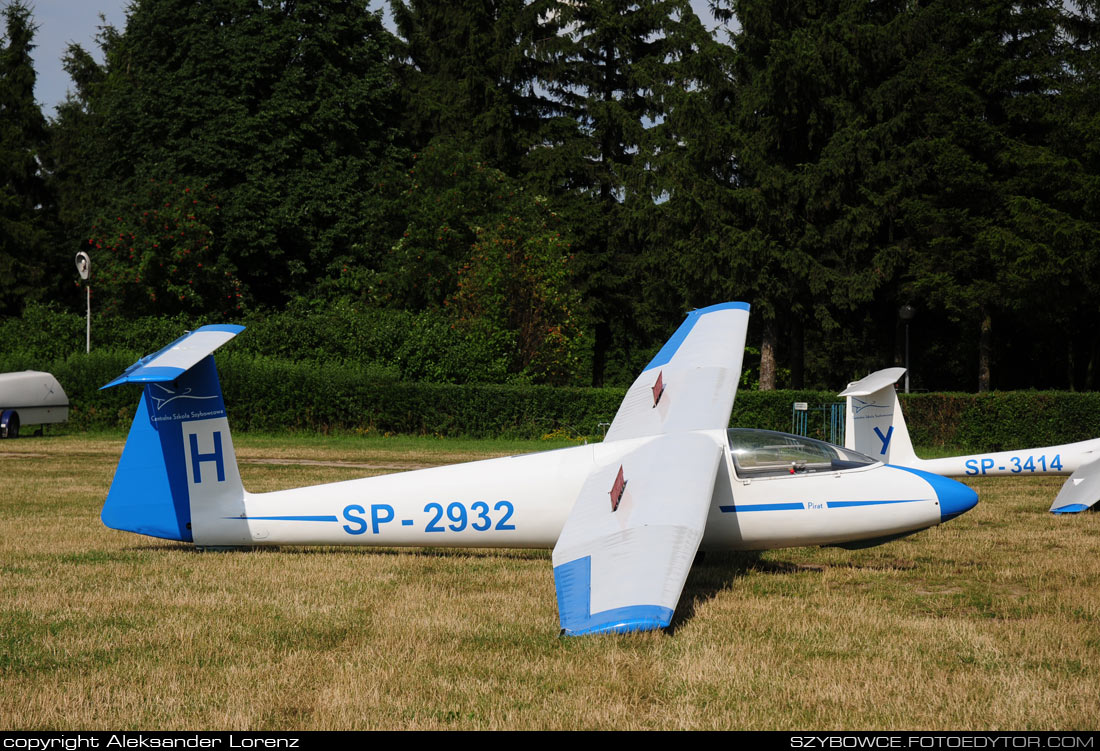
(30, 398)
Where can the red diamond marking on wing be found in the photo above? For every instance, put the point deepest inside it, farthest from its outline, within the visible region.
(658, 388)
(617, 489)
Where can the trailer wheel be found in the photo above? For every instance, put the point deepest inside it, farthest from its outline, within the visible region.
(9, 424)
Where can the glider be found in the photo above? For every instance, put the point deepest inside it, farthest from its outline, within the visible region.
(624, 517)
(875, 425)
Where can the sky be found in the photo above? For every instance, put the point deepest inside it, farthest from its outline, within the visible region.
(60, 22)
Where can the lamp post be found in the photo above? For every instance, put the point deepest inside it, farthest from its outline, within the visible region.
(84, 268)
(906, 313)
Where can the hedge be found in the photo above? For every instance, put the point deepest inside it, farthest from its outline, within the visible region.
(417, 346)
(268, 394)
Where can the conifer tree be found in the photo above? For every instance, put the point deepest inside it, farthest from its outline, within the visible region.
(468, 75)
(25, 202)
(999, 219)
(285, 110)
(610, 64)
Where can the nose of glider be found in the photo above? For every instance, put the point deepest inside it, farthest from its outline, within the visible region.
(954, 497)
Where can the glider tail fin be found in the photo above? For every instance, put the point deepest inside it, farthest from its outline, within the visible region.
(874, 424)
(178, 468)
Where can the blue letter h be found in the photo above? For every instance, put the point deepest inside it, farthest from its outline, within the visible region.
(216, 457)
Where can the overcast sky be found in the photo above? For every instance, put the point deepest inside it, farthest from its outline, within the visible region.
(63, 21)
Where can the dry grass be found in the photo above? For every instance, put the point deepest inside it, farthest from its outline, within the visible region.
(989, 622)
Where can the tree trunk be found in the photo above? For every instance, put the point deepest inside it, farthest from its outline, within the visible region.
(599, 352)
(798, 354)
(767, 357)
(985, 352)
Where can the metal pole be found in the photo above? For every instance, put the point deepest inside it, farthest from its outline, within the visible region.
(88, 331)
(906, 358)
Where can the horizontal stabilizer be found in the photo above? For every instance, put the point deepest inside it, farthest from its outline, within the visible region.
(177, 358)
(624, 554)
(1080, 491)
(877, 381)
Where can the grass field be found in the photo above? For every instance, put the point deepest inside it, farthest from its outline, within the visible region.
(989, 622)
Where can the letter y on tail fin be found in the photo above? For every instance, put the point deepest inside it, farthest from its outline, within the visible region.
(874, 424)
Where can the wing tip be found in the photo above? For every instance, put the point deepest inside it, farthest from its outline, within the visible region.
(573, 582)
(1072, 508)
(665, 354)
(626, 620)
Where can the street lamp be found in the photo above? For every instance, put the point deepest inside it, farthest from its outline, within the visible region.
(906, 313)
(84, 268)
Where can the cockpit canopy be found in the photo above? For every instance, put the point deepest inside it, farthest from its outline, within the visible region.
(763, 453)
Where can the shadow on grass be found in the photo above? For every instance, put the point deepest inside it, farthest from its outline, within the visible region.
(713, 572)
(716, 571)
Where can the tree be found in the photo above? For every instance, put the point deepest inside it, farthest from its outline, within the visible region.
(788, 202)
(491, 254)
(158, 255)
(468, 74)
(999, 217)
(25, 201)
(286, 111)
(609, 66)
(518, 286)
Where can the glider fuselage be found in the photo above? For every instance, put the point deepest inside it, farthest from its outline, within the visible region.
(1064, 459)
(524, 501)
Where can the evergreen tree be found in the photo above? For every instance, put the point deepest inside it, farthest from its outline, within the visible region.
(286, 112)
(999, 218)
(609, 66)
(791, 202)
(468, 75)
(25, 202)
(77, 145)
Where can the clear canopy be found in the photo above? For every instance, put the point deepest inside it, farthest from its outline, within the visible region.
(768, 452)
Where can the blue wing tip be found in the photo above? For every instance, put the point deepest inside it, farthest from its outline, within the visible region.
(232, 328)
(622, 621)
(1073, 508)
(669, 349)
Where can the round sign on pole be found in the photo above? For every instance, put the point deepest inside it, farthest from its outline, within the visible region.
(83, 264)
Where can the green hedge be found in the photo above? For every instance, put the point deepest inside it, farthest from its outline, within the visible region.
(269, 394)
(413, 346)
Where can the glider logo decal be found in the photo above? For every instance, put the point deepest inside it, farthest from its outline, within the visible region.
(858, 405)
(173, 395)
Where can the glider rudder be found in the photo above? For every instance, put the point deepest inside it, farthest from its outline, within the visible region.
(874, 423)
(179, 439)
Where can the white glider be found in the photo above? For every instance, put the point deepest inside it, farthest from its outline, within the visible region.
(624, 517)
(875, 425)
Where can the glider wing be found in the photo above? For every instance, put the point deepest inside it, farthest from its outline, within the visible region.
(629, 542)
(1080, 491)
(691, 382)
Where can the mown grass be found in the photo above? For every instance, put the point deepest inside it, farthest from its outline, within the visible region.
(988, 622)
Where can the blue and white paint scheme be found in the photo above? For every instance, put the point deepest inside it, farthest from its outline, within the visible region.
(875, 425)
(624, 517)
